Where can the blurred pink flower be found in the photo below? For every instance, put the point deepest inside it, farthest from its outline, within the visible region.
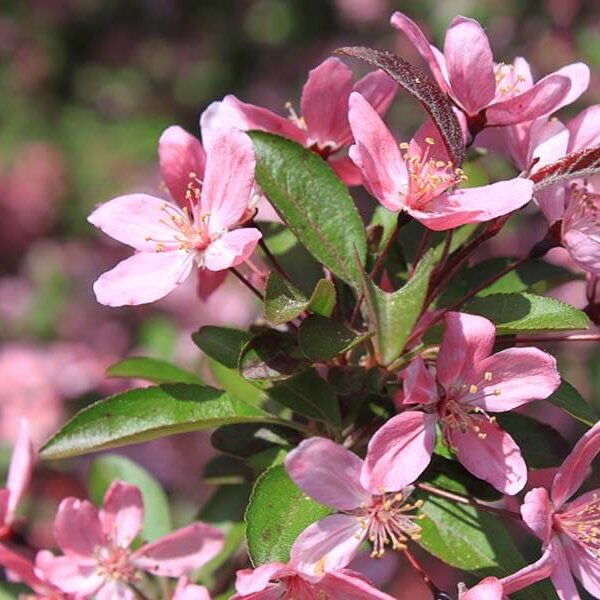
(96, 544)
(469, 383)
(277, 580)
(422, 180)
(503, 94)
(186, 590)
(489, 588)
(323, 125)
(23, 570)
(330, 474)
(169, 240)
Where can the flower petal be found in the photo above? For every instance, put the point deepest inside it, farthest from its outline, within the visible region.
(251, 581)
(582, 239)
(495, 458)
(186, 590)
(512, 378)
(584, 129)
(575, 468)
(584, 565)
(348, 585)
(69, 575)
(376, 154)
(143, 277)
(209, 282)
(378, 89)
(231, 249)
(579, 76)
(138, 220)
(22, 569)
(181, 551)
(122, 513)
(489, 588)
(346, 170)
(328, 473)
(561, 577)
(180, 154)
(77, 529)
(21, 467)
(327, 545)
(419, 384)
(116, 590)
(467, 340)
(228, 179)
(469, 61)
(399, 452)
(541, 569)
(536, 511)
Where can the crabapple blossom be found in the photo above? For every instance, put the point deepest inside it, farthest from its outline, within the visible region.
(469, 383)
(278, 581)
(98, 558)
(323, 125)
(169, 239)
(497, 93)
(420, 178)
(330, 474)
(189, 591)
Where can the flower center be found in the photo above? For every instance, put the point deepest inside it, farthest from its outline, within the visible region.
(582, 525)
(114, 563)
(386, 522)
(508, 81)
(582, 208)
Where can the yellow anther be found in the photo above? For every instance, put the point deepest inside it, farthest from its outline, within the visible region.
(473, 389)
(497, 392)
(487, 375)
(430, 141)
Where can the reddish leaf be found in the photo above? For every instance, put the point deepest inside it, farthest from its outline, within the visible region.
(581, 163)
(423, 88)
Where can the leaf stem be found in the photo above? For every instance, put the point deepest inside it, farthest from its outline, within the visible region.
(540, 339)
(417, 567)
(247, 283)
(272, 258)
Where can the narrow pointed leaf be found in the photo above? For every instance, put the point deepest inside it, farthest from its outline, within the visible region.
(151, 369)
(572, 402)
(223, 344)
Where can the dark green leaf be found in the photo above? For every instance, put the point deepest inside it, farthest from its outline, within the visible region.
(514, 313)
(226, 470)
(223, 344)
(111, 467)
(151, 369)
(234, 384)
(394, 315)
(246, 439)
(271, 356)
(321, 339)
(277, 513)
(313, 202)
(145, 414)
(570, 400)
(323, 298)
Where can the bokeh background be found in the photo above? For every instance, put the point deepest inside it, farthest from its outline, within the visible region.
(86, 88)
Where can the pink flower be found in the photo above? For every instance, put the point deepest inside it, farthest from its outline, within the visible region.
(501, 94)
(96, 544)
(489, 588)
(422, 180)
(278, 581)
(330, 474)
(469, 383)
(323, 125)
(19, 475)
(569, 530)
(189, 591)
(170, 239)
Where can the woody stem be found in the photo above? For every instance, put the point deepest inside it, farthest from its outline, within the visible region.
(417, 567)
(247, 283)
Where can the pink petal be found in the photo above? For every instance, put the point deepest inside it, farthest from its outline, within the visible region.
(561, 575)
(467, 340)
(512, 378)
(536, 511)
(231, 249)
(583, 564)
(349, 585)
(4, 522)
(180, 551)
(180, 154)
(328, 473)
(579, 76)
(22, 569)
(419, 41)
(327, 545)
(324, 103)
(584, 129)
(549, 141)
(541, 99)
(68, 574)
(575, 468)
(116, 590)
(209, 282)
(138, 220)
(537, 571)
(77, 529)
(427, 139)
(274, 591)
(378, 89)
(419, 384)
(143, 277)
(21, 467)
(188, 591)
(582, 240)
(495, 458)
(489, 588)
(250, 581)
(474, 205)
(228, 180)
(346, 170)
(469, 62)
(399, 452)
(122, 513)
(377, 154)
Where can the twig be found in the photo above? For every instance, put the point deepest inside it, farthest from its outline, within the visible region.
(272, 258)
(417, 567)
(540, 339)
(247, 283)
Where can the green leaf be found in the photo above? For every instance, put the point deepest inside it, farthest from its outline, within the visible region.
(223, 344)
(271, 356)
(393, 315)
(245, 439)
(309, 395)
(111, 467)
(146, 414)
(313, 202)
(277, 513)
(570, 400)
(321, 339)
(514, 313)
(226, 470)
(385, 220)
(284, 302)
(151, 369)
(234, 384)
(541, 445)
